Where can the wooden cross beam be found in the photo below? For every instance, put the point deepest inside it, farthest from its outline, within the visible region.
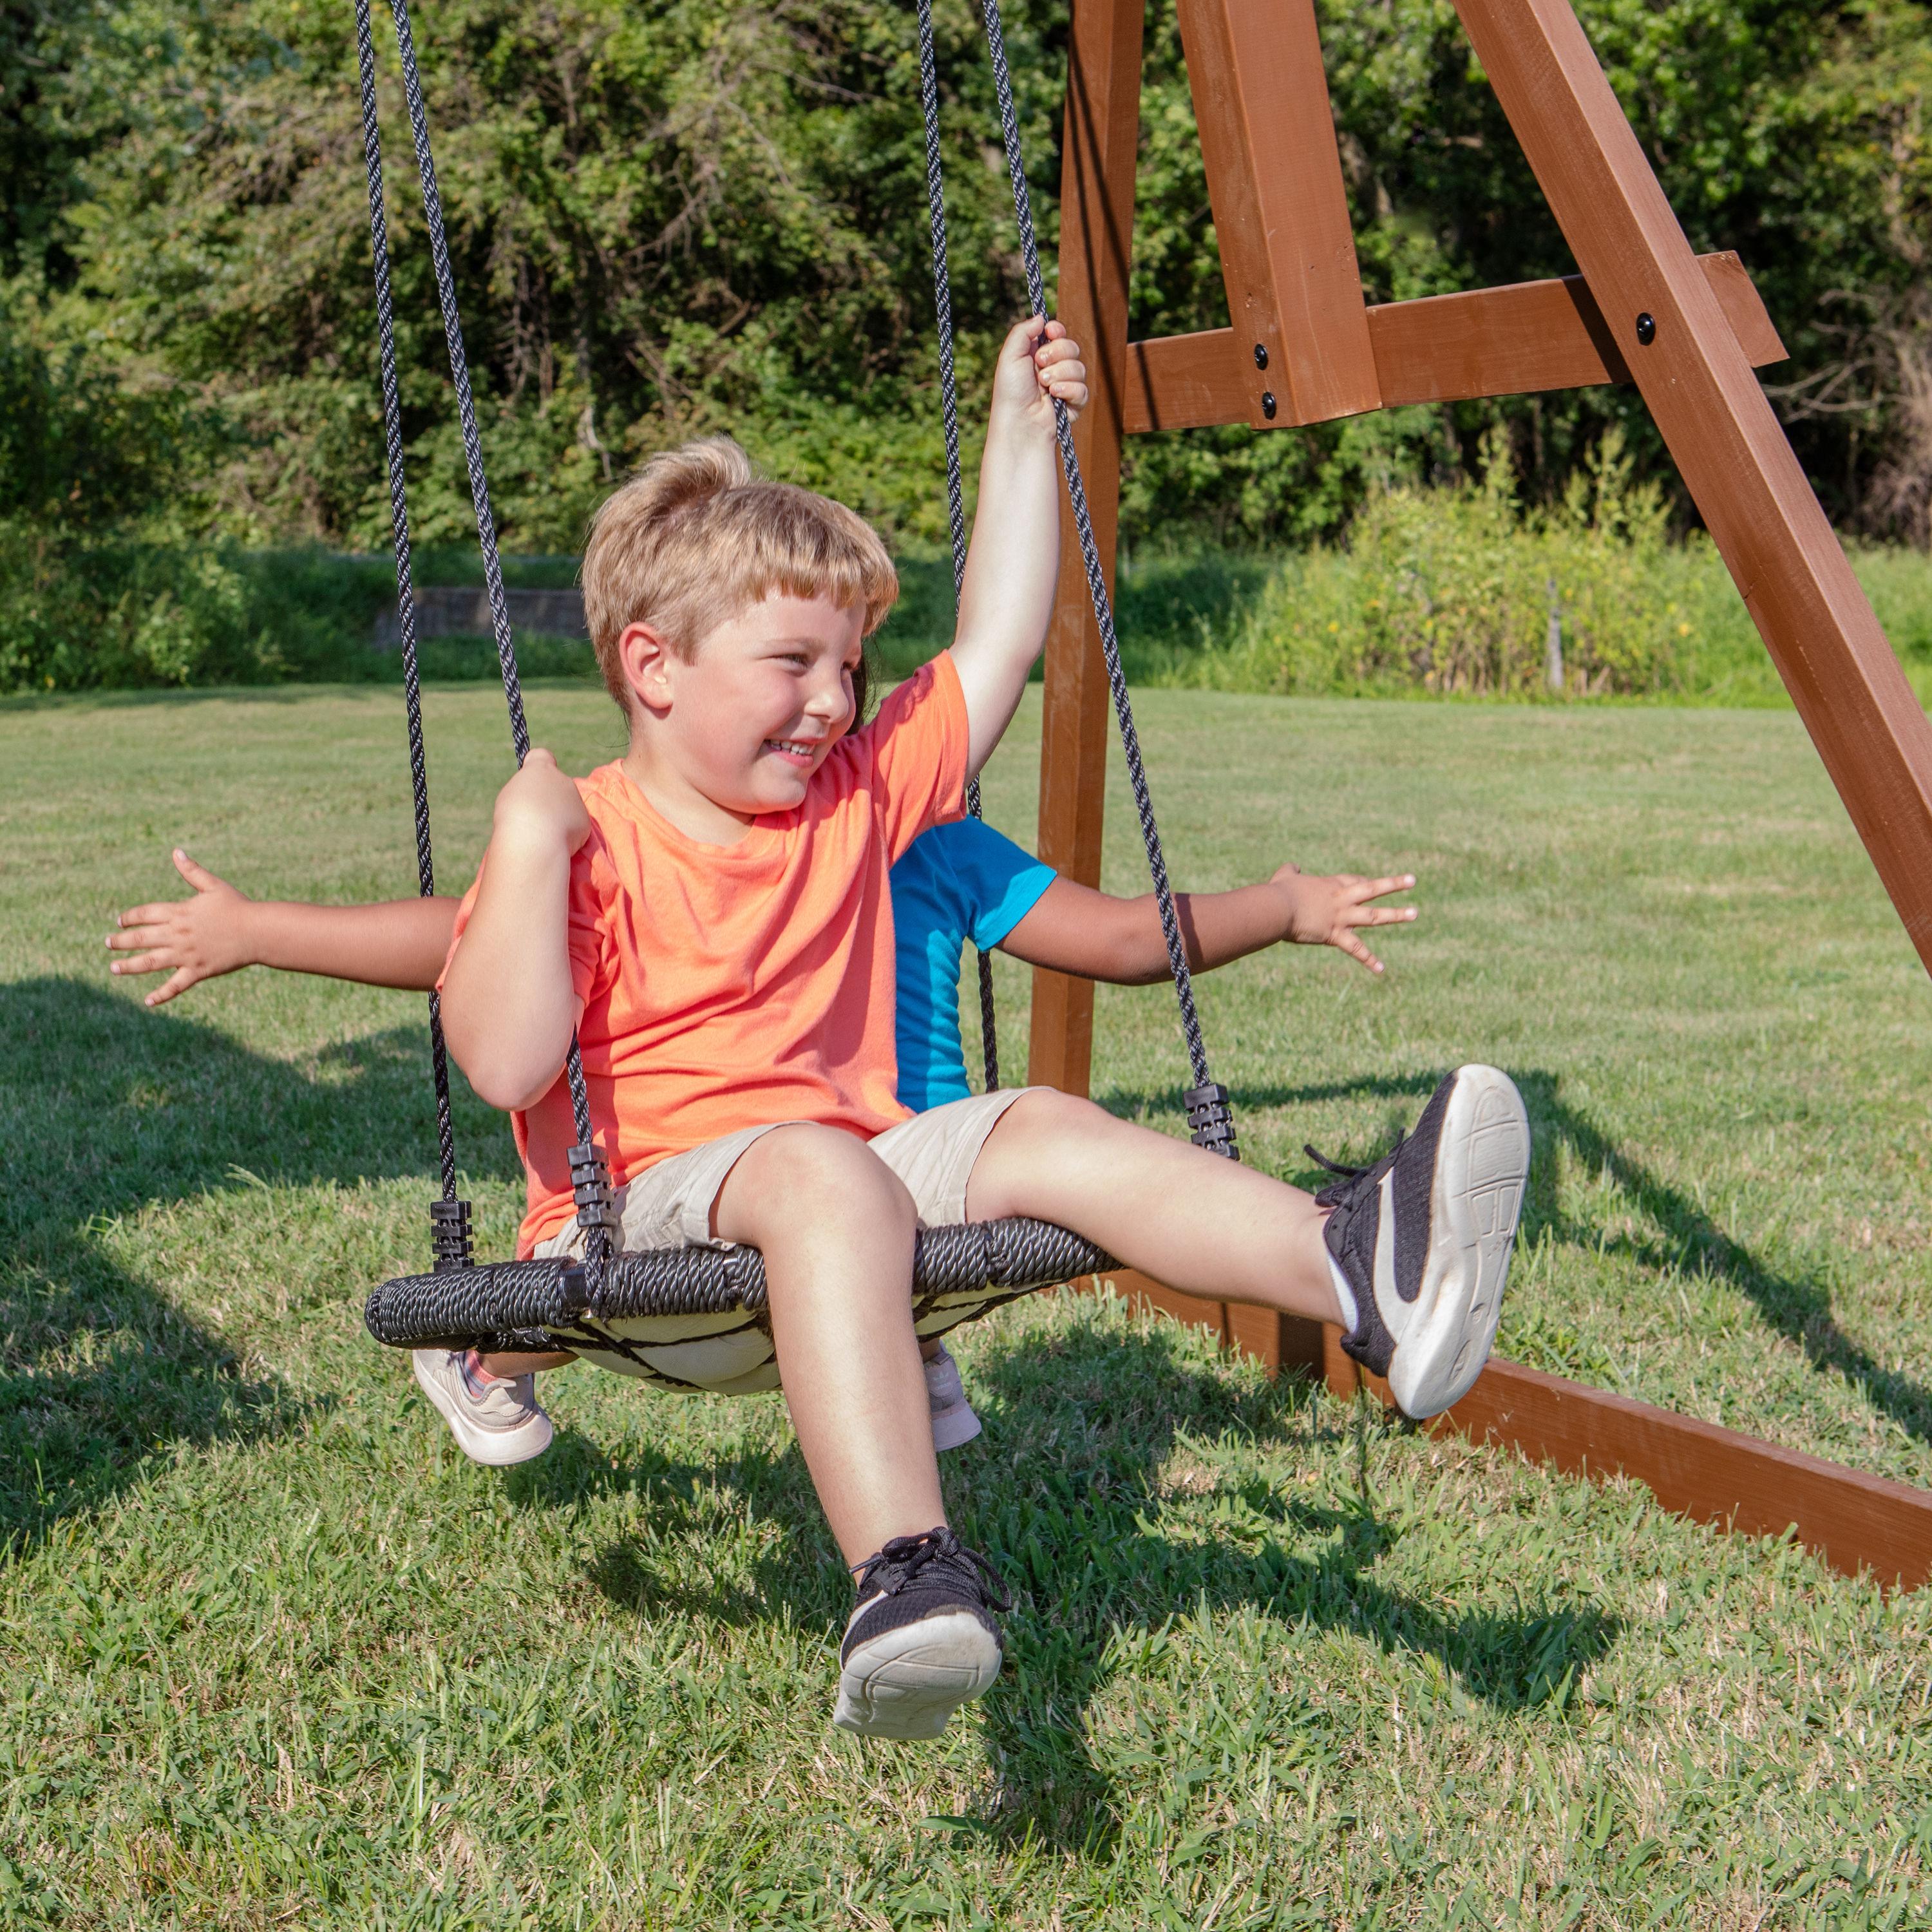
(1303, 346)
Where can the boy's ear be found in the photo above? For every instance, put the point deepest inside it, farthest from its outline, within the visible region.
(647, 658)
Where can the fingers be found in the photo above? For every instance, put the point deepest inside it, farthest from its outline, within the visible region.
(180, 983)
(1026, 332)
(199, 877)
(1376, 889)
(129, 926)
(156, 960)
(1062, 373)
(1361, 915)
(1346, 941)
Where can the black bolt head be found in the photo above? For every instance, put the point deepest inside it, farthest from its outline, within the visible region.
(1646, 328)
(1268, 404)
(1261, 355)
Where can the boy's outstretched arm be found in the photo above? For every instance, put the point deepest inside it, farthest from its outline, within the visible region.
(509, 1005)
(398, 943)
(1073, 928)
(1014, 562)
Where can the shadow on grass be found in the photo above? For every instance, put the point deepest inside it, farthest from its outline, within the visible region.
(1680, 1237)
(1084, 1422)
(105, 1107)
(1063, 1494)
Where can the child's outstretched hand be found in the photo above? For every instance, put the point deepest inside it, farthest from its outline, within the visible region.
(1330, 911)
(191, 939)
(1040, 363)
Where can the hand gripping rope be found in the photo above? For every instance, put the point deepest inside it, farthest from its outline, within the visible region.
(1208, 1113)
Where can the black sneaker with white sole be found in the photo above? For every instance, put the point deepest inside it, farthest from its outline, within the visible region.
(922, 1639)
(1424, 1238)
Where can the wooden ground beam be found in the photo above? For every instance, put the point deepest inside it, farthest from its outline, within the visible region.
(1096, 222)
(1853, 1522)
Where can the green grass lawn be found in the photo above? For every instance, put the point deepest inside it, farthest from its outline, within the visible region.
(271, 1653)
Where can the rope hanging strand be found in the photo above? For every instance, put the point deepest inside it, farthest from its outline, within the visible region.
(449, 1218)
(949, 398)
(1208, 1113)
(589, 1173)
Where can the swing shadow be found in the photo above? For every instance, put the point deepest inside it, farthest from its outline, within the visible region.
(1797, 1306)
(107, 1108)
(1062, 1493)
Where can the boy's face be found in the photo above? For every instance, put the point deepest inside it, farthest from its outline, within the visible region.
(755, 711)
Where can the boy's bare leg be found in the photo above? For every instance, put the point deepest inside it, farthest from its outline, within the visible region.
(1192, 1219)
(836, 1227)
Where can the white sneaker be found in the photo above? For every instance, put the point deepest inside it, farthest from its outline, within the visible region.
(496, 1421)
(1423, 1239)
(953, 1421)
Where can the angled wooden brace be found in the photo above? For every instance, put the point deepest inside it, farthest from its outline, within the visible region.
(1300, 347)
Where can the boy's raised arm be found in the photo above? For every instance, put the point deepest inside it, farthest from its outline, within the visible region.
(399, 943)
(509, 1004)
(1014, 562)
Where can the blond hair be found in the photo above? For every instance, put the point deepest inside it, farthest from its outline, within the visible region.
(698, 536)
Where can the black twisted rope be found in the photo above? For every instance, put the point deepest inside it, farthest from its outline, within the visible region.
(399, 521)
(1097, 581)
(473, 451)
(949, 402)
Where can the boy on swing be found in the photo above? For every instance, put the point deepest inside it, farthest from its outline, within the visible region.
(711, 915)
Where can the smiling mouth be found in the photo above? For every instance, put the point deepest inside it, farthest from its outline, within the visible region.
(794, 748)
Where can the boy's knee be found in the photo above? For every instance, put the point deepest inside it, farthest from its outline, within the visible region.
(823, 1173)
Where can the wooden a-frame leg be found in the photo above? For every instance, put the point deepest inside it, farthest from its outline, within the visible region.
(1103, 136)
(1815, 619)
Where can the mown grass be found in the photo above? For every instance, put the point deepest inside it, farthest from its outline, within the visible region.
(274, 1654)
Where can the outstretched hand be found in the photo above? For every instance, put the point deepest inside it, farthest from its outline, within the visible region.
(1330, 911)
(191, 939)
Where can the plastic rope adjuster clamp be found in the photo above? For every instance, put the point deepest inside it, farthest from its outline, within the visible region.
(1212, 1120)
(590, 1188)
(449, 1236)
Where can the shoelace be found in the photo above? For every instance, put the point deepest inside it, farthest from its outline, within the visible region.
(1343, 1172)
(911, 1554)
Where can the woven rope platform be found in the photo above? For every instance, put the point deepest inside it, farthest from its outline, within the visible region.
(695, 1317)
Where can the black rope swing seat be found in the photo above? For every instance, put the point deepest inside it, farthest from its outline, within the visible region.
(696, 1317)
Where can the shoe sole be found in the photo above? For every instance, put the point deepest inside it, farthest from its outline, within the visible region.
(495, 1449)
(1482, 1164)
(906, 1683)
(953, 1428)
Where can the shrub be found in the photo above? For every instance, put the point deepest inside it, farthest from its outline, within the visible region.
(1454, 590)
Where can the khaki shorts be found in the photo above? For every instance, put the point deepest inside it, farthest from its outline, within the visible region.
(669, 1205)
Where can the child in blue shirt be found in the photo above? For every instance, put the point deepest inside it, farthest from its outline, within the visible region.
(957, 882)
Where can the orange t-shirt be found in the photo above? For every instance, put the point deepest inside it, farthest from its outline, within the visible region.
(722, 986)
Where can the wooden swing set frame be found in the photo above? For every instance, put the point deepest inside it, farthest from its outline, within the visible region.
(1304, 347)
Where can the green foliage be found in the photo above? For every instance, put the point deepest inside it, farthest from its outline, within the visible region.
(1454, 590)
(686, 215)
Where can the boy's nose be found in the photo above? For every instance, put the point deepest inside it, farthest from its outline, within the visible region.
(830, 701)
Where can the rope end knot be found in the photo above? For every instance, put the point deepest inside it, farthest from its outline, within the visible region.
(1212, 1120)
(449, 1236)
